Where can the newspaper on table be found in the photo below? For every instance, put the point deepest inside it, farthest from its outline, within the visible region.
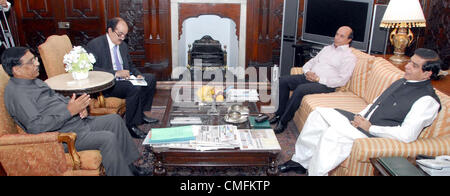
(258, 139)
(209, 137)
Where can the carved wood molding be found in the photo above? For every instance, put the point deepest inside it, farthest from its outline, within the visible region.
(231, 11)
(438, 30)
(132, 12)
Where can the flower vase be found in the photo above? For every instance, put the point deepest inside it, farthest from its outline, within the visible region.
(80, 75)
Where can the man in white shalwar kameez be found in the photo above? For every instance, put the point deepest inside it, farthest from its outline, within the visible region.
(328, 134)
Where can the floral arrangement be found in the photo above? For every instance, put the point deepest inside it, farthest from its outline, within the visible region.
(209, 93)
(78, 60)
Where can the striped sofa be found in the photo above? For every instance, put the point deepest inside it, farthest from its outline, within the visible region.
(371, 76)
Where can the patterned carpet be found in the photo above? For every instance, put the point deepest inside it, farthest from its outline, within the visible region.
(286, 139)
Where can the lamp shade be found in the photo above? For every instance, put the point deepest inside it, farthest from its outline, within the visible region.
(403, 14)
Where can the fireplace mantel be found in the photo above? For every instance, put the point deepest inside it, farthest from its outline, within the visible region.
(236, 10)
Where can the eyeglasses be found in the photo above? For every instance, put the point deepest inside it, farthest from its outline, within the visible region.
(31, 61)
(120, 34)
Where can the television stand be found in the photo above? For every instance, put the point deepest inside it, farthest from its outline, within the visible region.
(305, 51)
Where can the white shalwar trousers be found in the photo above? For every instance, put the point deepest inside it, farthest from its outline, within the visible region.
(325, 141)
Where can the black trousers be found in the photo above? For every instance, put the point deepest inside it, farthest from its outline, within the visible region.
(138, 98)
(300, 87)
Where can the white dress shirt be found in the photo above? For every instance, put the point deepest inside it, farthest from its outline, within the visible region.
(7, 8)
(333, 65)
(111, 50)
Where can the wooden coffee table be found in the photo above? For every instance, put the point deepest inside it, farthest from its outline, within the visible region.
(166, 157)
(219, 159)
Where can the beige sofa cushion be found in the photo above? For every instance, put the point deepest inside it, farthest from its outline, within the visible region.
(381, 76)
(358, 81)
(441, 125)
(342, 100)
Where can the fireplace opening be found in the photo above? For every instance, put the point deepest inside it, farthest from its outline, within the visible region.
(207, 53)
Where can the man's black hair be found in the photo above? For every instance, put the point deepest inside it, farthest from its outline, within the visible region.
(112, 23)
(11, 57)
(433, 63)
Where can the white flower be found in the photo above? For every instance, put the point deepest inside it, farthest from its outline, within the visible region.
(78, 60)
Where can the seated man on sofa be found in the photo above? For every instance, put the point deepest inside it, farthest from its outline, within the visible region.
(329, 69)
(401, 112)
(37, 109)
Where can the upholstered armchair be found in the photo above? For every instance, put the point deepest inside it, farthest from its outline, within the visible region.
(52, 53)
(23, 154)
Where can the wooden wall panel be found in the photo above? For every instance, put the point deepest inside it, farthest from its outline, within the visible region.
(437, 34)
(264, 24)
(156, 38)
(36, 20)
(86, 18)
(149, 20)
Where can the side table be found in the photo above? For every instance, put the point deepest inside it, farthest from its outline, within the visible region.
(96, 82)
(395, 166)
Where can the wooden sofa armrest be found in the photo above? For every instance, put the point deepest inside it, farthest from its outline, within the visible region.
(366, 148)
(69, 139)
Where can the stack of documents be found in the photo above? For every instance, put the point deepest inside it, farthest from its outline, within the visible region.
(169, 135)
(205, 137)
(137, 81)
(186, 121)
(211, 137)
(258, 139)
(250, 95)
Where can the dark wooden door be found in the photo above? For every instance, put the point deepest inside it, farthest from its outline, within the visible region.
(81, 20)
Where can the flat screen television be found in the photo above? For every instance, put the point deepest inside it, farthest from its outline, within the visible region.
(322, 18)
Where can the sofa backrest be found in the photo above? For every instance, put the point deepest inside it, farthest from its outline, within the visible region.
(441, 125)
(7, 125)
(358, 81)
(381, 75)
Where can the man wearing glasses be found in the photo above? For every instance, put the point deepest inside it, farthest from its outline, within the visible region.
(37, 109)
(112, 55)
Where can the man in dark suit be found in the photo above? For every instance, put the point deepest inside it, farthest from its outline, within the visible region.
(111, 54)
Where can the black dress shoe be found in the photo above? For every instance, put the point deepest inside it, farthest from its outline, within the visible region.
(279, 128)
(137, 171)
(137, 133)
(292, 166)
(150, 120)
(274, 119)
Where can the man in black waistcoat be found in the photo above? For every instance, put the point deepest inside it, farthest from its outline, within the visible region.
(112, 55)
(401, 112)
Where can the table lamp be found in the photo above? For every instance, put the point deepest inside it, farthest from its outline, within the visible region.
(402, 15)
